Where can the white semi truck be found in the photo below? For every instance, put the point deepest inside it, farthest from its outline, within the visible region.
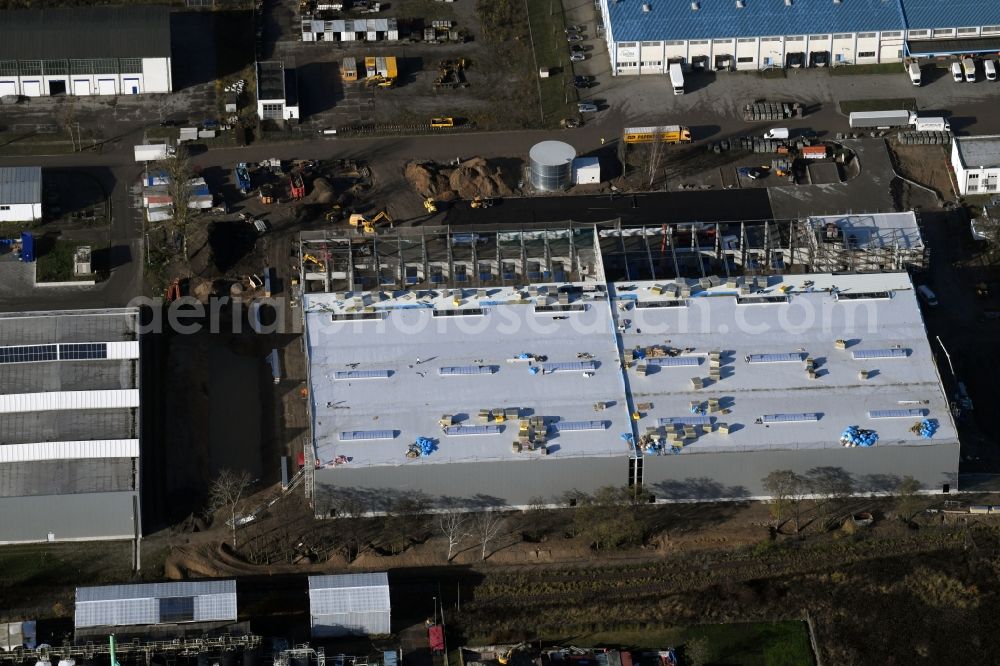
(677, 78)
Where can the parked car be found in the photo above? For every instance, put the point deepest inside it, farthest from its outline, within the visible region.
(574, 28)
(573, 37)
(577, 57)
(586, 107)
(581, 84)
(569, 123)
(585, 77)
(756, 173)
(576, 48)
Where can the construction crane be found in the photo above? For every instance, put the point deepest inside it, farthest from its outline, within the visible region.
(368, 226)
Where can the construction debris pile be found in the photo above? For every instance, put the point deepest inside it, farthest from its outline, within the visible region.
(466, 180)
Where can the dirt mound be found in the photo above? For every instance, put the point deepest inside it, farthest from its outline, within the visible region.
(473, 177)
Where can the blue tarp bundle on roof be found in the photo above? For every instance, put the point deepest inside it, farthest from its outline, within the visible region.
(426, 445)
(855, 436)
(927, 428)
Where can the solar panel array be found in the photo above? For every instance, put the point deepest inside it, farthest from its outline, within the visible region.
(29, 353)
(75, 351)
(685, 420)
(791, 418)
(756, 300)
(896, 413)
(774, 358)
(569, 366)
(895, 352)
(456, 370)
(359, 435)
(362, 374)
(571, 426)
(459, 430)
(674, 362)
(83, 351)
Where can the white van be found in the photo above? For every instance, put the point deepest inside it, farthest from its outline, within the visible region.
(914, 71)
(990, 68)
(956, 72)
(925, 293)
(776, 133)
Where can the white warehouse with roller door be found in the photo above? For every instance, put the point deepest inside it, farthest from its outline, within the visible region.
(349, 604)
(85, 51)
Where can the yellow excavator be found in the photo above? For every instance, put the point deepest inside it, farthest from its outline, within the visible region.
(479, 202)
(430, 205)
(505, 657)
(366, 225)
(313, 260)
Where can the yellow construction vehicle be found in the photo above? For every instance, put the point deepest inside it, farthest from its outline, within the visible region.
(505, 657)
(308, 258)
(430, 206)
(480, 202)
(442, 122)
(368, 226)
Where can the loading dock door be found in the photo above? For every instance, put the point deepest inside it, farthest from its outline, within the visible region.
(81, 87)
(130, 86)
(32, 88)
(8, 88)
(106, 86)
(57, 87)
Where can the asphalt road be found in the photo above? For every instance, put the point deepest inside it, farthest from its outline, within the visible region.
(710, 108)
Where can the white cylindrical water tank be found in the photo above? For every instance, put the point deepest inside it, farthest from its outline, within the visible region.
(551, 165)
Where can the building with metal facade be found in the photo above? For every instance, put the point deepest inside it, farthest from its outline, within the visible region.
(210, 601)
(20, 194)
(69, 425)
(694, 388)
(646, 37)
(349, 604)
(976, 162)
(85, 51)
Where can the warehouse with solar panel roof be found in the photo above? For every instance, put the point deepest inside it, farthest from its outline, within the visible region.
(69, 426)
(519, 394)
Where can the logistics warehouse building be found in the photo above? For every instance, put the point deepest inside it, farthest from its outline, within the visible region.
(69, 426)
(645, 37)
(694, 389)
(85, 51)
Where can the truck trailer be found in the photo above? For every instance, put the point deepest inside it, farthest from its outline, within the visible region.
(913, 69)
(153, 152)
(881, 119)
(931, 124)
(677, 78)
(661, 134)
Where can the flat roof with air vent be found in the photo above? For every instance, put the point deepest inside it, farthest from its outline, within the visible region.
(775, 372)
(377, 386)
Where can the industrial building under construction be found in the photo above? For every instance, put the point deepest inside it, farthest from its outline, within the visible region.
(510, 367)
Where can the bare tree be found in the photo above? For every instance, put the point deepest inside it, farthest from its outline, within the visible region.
(655, 154)
(67, 118)
(907, 502)
(786, 490)
(488, 525)
(227, 492)
(180, 171)
(455, 528)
